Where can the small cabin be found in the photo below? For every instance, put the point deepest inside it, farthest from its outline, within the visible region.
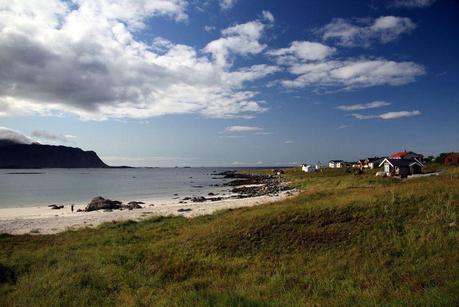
(335, 163)
(401, 167)
(451, 159)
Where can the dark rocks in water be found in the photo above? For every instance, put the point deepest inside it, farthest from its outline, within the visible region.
(211, 194)
(175, 194)
(233, 175)
(100, 203)
(198, 199)
(184, 210)
(133, 205)
(80, 210)
(56, 207)
(136, 203)
(35, 155)
(197, 186)
(187, 198)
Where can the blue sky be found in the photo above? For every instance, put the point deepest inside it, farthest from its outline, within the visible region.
(209, 83)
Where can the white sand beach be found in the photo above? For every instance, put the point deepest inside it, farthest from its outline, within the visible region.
(44, 220)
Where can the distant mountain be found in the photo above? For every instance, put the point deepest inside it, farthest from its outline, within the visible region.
(14, 155)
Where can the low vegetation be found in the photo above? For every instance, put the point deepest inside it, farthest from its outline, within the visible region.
(345, 240)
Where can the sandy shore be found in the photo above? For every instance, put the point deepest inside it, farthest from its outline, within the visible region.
(43, 220)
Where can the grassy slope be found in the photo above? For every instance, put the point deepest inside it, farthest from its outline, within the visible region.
(345, 240)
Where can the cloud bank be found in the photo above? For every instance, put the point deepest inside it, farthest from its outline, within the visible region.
(363, 33)
(353, 73)
(389, 115)
(363, 106)
(14, 136)
(82, 57)
(243, 129)
(411, 3)
(54, 138)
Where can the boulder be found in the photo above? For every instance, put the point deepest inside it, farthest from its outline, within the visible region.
(56, 207)
(100, 203)
(133, 205)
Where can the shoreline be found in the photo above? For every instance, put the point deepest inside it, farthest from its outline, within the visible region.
(246, 191)
(45, 221)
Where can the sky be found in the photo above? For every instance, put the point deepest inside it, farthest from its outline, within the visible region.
(231, 82)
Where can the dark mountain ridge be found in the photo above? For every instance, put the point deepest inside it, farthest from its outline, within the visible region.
(14, 155)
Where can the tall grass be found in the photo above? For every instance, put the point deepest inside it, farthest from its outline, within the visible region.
(345, 240)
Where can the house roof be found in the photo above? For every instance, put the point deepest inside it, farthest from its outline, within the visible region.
(401, 162)
(376, 160)
(404, 155)
(336, 161)
(400, 154)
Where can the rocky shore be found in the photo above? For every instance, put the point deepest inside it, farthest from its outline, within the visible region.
(242, 186)
(240, 190)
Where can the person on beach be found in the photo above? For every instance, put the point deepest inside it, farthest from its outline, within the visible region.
(71, 207)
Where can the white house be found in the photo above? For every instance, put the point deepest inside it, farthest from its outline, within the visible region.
(335, 163)
(308, 168)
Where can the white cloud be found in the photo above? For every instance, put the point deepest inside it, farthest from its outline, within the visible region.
(389, 115)
(243, 129)
(227, 4)
(241, 39)
(411, 3)
(14, 136)
(48, 136)
(58, 58)
(343, 126)
(267, 15)
(301, 51)
(362, 33)
(209, 29)
(288, 142)
(353, 73)
(364, 106)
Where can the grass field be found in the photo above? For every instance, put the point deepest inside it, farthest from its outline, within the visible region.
(345, 240)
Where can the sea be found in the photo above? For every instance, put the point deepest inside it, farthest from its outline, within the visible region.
(42, 187)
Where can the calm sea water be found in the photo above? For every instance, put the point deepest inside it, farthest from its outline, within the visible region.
(27, 188)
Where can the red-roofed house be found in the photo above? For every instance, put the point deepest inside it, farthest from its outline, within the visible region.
(407, 155)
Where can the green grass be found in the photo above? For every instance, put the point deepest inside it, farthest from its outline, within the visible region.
(345, 240)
